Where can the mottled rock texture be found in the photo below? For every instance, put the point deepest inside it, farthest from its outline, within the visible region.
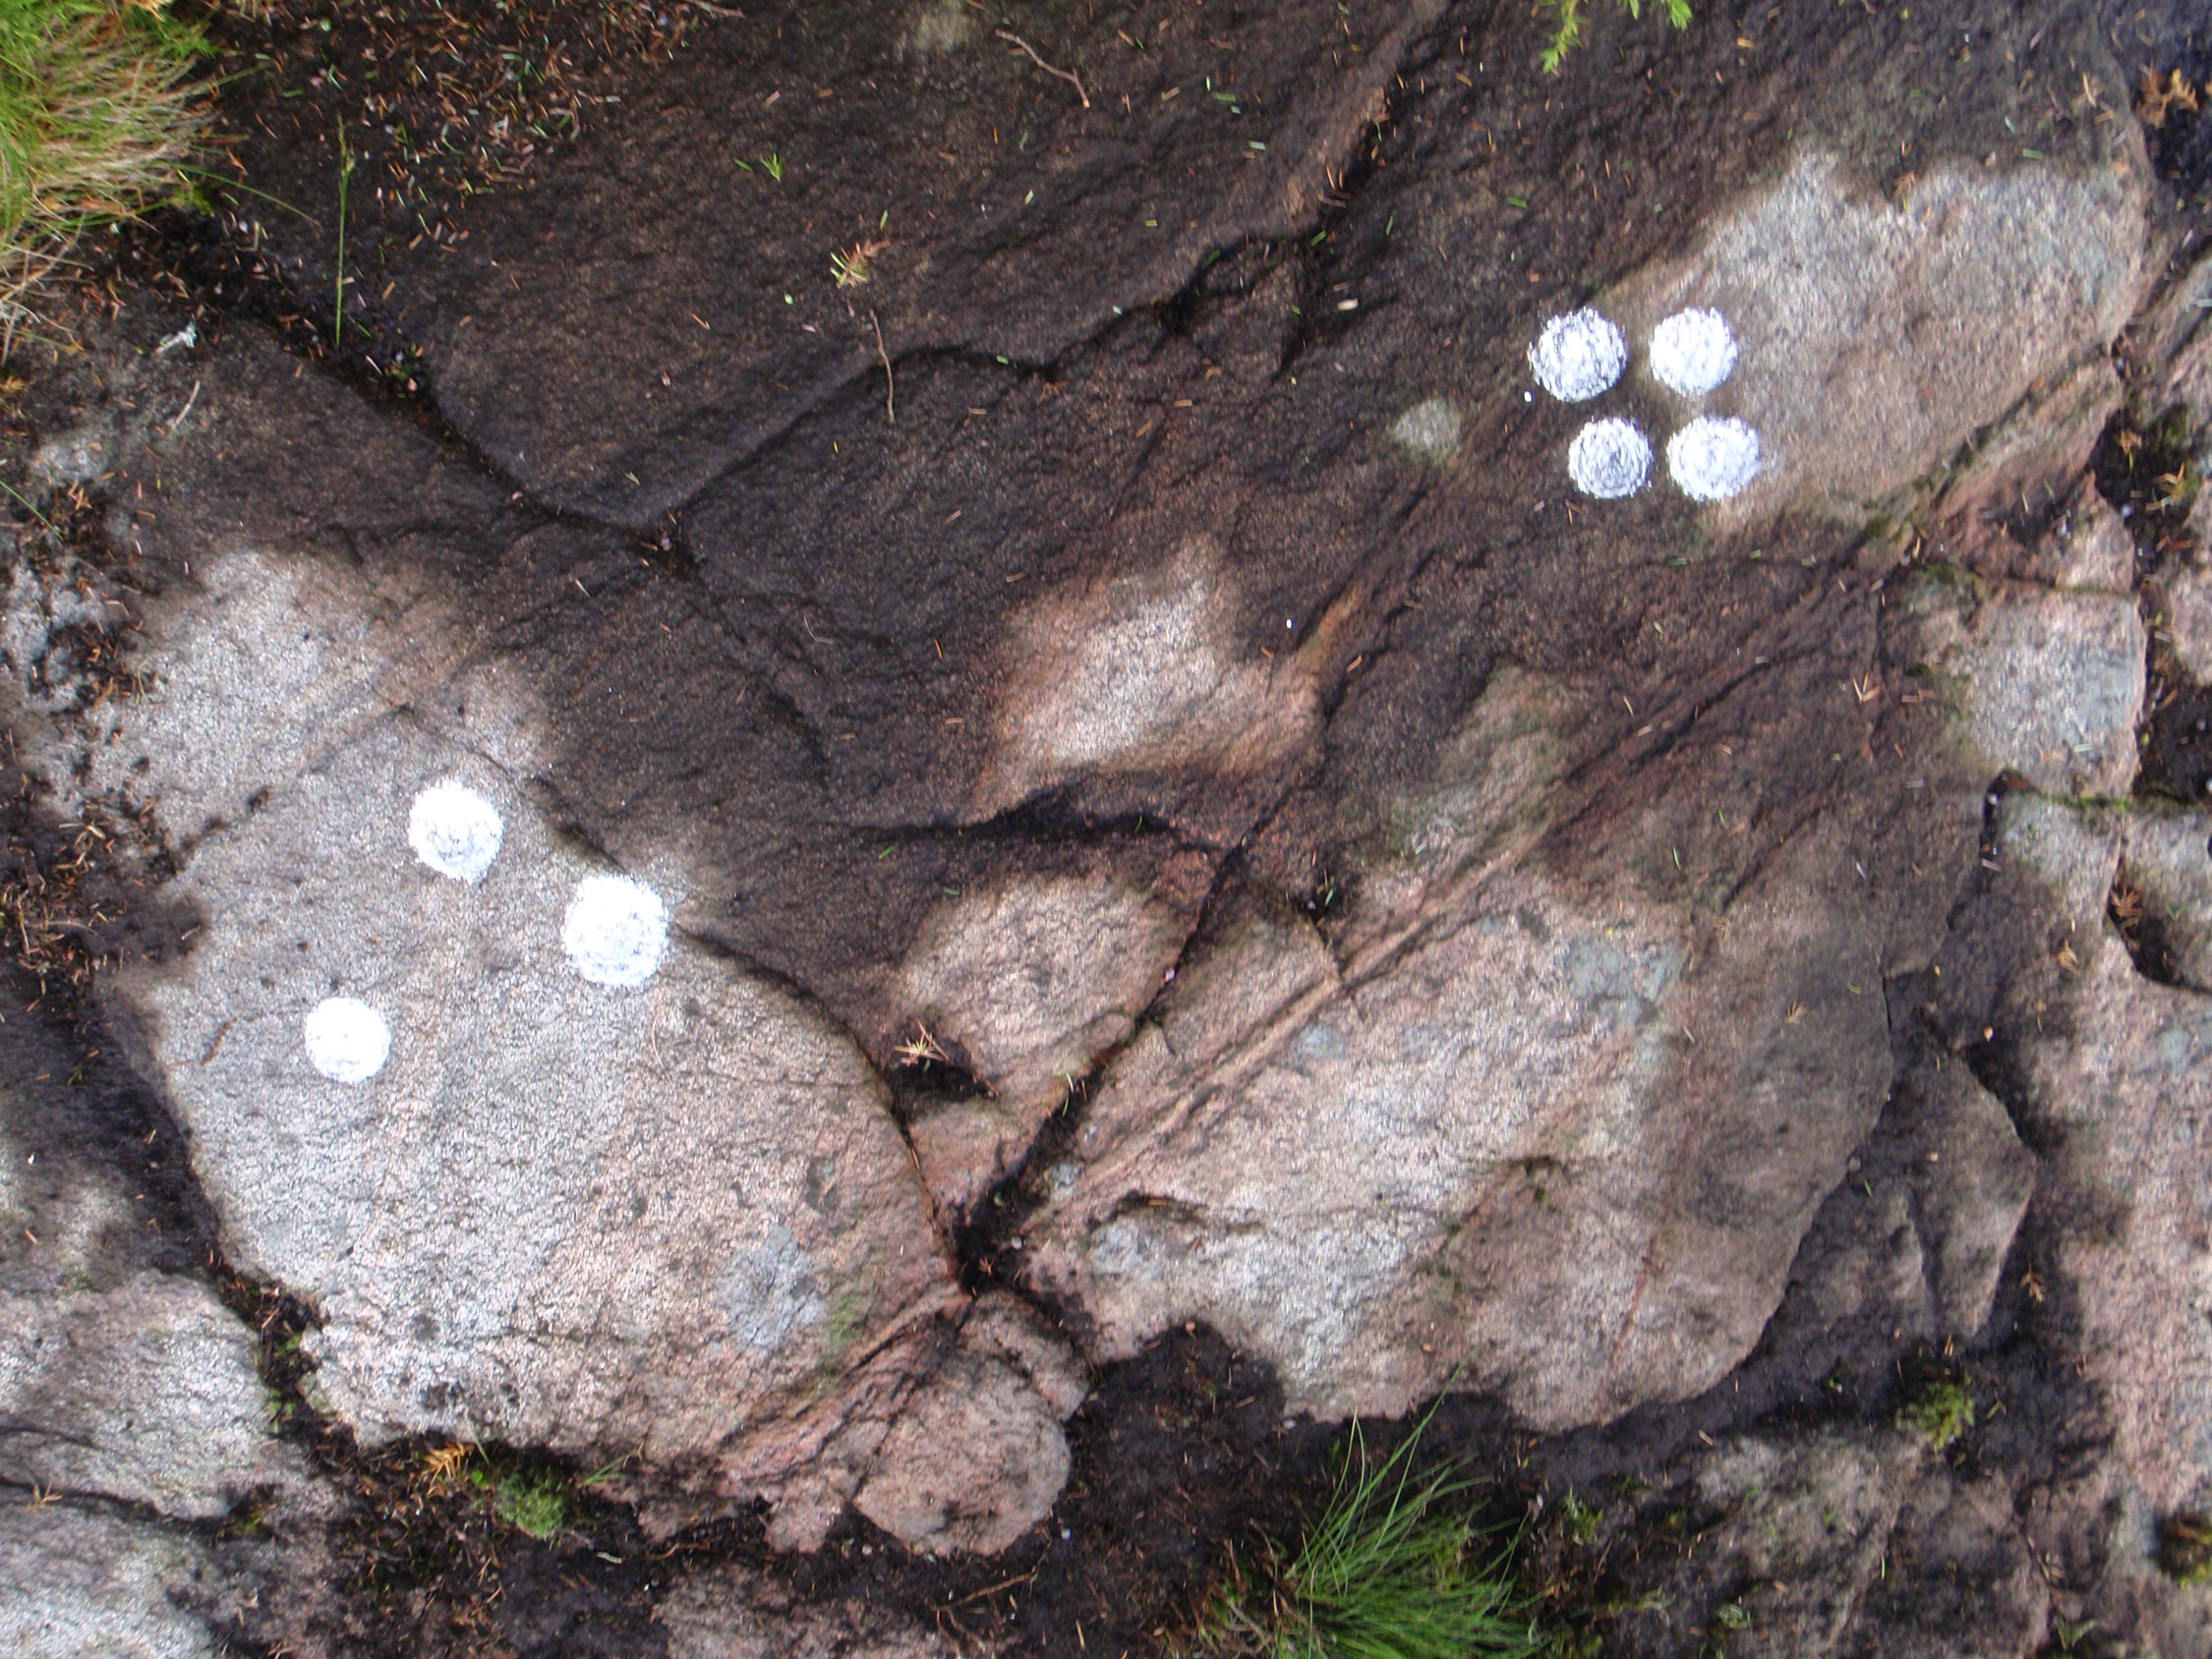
(1170, 813)
(146, 1393)
(736, 1615)
(88, 1585)
(1880, 330)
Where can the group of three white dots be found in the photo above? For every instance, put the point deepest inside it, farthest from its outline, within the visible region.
(1583, 353)
(614, 934)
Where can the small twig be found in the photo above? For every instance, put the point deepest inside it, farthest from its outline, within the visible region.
(172, 427)
(994, 1589)
(1068, 74)
(890, 386)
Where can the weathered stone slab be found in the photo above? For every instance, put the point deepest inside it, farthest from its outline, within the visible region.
(146, 1393)
(1882, 332)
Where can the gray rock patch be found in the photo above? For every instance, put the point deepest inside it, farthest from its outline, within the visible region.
(2048, 685)
(733, 1613)
(84, 1585)
(1148, 672)
(2187, 623)
(974, 1462)
(146, 1393)
(1873, 333)
(1973, 1188)
(2167, 855)
(1430, 428)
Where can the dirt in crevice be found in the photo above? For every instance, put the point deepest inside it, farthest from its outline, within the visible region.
(1180, 1454)
(1333, 250)
(1053, 816)
(928, 1071)
(2142, 930)
(2177, 118)
(440, 1548)
(2144, 467)
(988, 1242)
(2147, 468)
(2176, 754)
(78, 897)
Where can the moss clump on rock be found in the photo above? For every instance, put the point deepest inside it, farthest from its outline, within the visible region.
(1938, 1413)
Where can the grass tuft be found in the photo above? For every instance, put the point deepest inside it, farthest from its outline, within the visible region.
(96, 125)
(1393, 1568)
(1566, 31)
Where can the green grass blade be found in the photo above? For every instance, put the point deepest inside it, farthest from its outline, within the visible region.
(1392, 1568)
(95, 122)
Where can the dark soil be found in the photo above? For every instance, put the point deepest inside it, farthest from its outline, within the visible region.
(1181, 1455)
(418, 109)
(2180, 138)
(2178, 758)
(2143, 448)
(2144, 933)
(2146, 468)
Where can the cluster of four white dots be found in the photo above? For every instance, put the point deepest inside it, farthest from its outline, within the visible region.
(1583, 353)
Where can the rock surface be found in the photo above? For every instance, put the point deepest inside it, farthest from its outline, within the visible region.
(561, 1214)
(736, 1615)
(2123, 1101)
(2188, 621)
(1149, 810)
(1938, 309)
(146, 1393)
(1809, 1519)
(2166, 856)
(2070, 727)
(1490, 1088)
(89, 1585)
(1031, 984)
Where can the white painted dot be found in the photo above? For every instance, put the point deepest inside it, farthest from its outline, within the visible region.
(455, 831)
(1712, 460)
(1578, 356)
(1609, 459)
(1692, 352)
(347, 1040)
(616, 931)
